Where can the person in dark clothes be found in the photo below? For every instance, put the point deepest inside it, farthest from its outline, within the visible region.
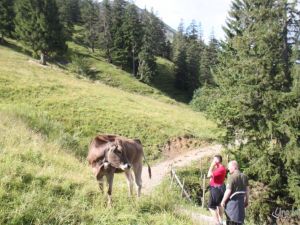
(216, 173)
(236, 197)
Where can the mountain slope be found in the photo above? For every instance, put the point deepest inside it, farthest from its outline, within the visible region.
(71, 111)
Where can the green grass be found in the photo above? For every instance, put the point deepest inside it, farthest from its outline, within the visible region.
(42, 184)
(162, 85)
(113, 76)
(70, 111)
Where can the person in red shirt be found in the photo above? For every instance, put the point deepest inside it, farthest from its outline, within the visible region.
(217, 174)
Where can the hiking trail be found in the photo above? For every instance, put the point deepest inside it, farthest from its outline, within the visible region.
(162, 169)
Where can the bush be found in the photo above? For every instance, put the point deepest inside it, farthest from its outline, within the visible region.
(193, 181)
(204, 97)
(80, 65)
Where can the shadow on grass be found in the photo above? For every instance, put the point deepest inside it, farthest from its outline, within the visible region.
(17, 48)
(165, 80)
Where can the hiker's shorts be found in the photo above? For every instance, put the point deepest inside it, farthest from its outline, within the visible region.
(216, 196)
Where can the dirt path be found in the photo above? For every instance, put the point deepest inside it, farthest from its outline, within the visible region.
(160, 170)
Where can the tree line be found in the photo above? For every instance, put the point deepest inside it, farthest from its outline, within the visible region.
(256, 98)
(130, 37)
(194, 60)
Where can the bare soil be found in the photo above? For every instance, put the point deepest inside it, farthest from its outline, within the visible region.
(160, 170)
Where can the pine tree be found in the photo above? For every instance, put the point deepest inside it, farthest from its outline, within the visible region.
(186, 52)
(158, 35)
(133, 34)
(238, 19)
(119, 52)
(179, 58)
(91, 19)
(69, 14)
(106, 39)
(255, 83)
(192, 31)
(6, 18)
(147, 62)
(37, 25)
(193, 56)
(167, 50)
(192, 61)
(209, 60)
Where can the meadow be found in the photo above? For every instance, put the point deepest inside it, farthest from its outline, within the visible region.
(69, 110)
(42, 184)
(48, 117)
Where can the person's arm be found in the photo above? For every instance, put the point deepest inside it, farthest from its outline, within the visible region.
(247, 196)
(225, 197)
(210, 171)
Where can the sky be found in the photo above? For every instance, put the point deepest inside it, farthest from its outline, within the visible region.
(210, 13)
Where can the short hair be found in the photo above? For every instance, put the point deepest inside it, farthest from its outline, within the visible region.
(234, 163)
(219, 157)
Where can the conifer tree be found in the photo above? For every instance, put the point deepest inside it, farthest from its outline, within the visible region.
(91, 19)
(238, 19)
(158, 35)
(106, 38)
(255, 83)
(6, 18)
(119, 52)
(179, 58)
(192, 31)
(133, 34)
(147, 63)
(209, 60)
(38, 25)
(187, 50)
(192, 61)
(69, 14)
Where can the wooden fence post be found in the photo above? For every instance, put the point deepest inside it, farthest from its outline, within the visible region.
(172, 177)
(182, 188)
(203, 191)
(183, 191)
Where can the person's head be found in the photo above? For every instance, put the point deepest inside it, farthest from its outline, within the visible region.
(218, 159)
(233, 166)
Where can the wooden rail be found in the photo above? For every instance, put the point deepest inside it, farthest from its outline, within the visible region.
(181, 185)
(184, 192)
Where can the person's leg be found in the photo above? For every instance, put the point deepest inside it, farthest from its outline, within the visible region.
(212, 206)
(220, 213)
(214, 213)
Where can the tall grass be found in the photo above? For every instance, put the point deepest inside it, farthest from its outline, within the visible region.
(41, 184)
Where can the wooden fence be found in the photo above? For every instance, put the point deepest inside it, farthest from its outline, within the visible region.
(202, 181)
(184, 192)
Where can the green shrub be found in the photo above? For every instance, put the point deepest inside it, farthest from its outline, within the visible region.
(80, 65)
(204, 97)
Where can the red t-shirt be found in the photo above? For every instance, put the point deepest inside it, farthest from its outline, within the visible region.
(218, 176)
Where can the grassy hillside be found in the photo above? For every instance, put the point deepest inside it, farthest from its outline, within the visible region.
(41, 184)
(71, 111)
(163, 83)
(113, 76)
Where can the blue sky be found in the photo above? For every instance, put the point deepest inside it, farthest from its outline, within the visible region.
(211, 13)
